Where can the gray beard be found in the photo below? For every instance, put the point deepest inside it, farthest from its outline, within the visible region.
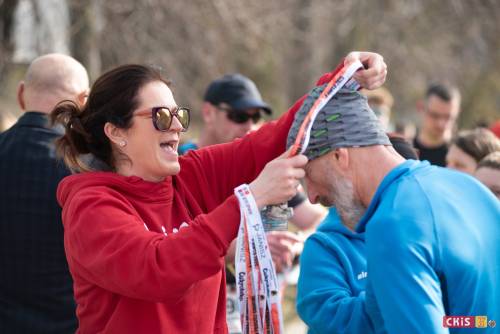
(349, 207)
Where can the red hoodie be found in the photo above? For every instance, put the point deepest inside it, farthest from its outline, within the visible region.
(149, 257)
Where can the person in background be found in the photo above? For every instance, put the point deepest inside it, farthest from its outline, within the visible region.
(36, 291)
(146, 239)
(432, 234)
(469, 147)
(233, 107)
(333, 271)
(488, 172)
(381, 101)
(439, 112)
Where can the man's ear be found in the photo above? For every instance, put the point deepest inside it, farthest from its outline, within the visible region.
(208, 112)
(342, 159)
(20, 95)
(81, 99)
(116, 136)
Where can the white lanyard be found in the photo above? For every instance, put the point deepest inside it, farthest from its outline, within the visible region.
(257, 283)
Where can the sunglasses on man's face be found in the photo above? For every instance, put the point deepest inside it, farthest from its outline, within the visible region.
(162, 117)
(239, 116)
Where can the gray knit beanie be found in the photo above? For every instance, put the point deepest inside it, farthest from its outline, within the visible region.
(345, 121)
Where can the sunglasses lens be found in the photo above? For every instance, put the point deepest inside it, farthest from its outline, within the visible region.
(163, 119)
(183, 117)
(238, 117)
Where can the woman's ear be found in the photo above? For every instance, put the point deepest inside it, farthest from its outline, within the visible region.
(116, 135)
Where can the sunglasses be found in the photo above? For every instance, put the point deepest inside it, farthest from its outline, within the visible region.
(239, 116)
(162, 117)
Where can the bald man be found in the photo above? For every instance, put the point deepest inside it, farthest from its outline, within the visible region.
(36, 294)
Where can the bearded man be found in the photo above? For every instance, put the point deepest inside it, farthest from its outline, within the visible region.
(432, 234)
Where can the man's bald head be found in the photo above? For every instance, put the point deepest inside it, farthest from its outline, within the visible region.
(50, 79)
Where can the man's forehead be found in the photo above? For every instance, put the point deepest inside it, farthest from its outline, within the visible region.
(435, 103)
(314, 165)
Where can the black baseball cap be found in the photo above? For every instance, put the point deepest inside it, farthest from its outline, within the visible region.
(236, 90)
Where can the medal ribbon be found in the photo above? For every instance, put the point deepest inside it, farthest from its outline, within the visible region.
(257, 283)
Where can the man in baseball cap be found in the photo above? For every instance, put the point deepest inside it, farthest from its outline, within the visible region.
(232, 106)
(237, 91)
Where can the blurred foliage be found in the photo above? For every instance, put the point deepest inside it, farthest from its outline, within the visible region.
(285, 45)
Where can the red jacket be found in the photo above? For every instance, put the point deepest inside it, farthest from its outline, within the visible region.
(149, 257)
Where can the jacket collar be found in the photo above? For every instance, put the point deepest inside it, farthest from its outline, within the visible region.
(388, 180)
(38, 119)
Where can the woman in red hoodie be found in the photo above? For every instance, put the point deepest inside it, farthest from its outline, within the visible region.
(145, 240)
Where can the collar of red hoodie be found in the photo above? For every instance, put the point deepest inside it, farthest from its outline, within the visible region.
(129, 186)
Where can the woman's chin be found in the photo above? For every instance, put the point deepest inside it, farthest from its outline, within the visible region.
(172, 168)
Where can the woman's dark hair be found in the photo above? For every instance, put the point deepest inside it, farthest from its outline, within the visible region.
(477, 143)
(112, 98)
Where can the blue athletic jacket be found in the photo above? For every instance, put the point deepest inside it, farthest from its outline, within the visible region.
(331, 290)
(433, 249)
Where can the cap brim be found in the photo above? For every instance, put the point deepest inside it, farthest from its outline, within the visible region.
(250, 104)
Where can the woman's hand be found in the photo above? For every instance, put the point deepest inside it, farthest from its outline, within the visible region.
(278, 181)
(284, 246)
(375, 72)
